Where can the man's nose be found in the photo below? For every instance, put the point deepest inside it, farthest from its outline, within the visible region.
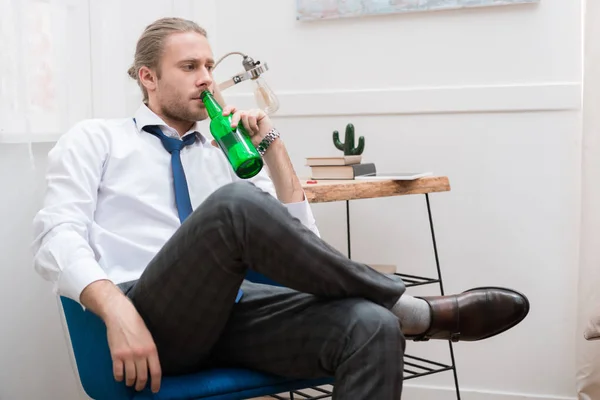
(204, 78)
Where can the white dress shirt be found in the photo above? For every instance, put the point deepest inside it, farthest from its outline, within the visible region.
(110, 202)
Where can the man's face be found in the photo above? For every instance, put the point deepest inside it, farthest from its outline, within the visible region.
(185, 71)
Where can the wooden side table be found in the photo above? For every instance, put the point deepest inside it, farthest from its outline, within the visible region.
(324, 191)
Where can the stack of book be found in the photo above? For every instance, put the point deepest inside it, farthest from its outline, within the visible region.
(339, 167)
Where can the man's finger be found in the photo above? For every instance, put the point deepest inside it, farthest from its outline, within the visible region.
(141, 369)
(118, 370)
(235, 119)
(155, 372)
(229, 110)
(129, 372)
(253, 123)
(246, 122)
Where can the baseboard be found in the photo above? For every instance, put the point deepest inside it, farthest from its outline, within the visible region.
(558, 96)
(417, 392)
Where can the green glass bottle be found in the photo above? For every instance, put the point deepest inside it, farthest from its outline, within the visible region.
(235, 143)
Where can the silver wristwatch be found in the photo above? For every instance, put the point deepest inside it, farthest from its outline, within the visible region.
(267, 140)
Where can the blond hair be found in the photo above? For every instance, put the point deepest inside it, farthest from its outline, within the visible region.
(150, 45)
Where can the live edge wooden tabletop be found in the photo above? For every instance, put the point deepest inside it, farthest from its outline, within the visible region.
(340, 190)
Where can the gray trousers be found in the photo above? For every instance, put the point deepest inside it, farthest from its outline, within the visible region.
(331, 318)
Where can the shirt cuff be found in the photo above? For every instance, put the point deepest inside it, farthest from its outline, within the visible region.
(302, 211)
(77, 277)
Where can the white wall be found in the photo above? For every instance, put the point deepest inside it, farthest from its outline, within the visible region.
(489, 97)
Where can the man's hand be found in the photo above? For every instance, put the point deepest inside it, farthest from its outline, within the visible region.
(256, 122)
(132, 348)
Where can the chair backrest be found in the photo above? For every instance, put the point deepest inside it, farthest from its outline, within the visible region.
(92, 355)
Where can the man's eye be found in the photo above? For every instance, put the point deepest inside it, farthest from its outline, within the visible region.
(210, 67)
(188, 67)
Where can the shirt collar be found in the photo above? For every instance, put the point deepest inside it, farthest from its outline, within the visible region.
(144, 116)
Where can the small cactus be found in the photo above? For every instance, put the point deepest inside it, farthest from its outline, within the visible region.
(348, 146)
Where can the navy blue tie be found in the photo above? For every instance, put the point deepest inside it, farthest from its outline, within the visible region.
(182, 194)
(174, 146)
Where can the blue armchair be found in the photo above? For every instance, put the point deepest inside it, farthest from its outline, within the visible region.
(92, 356)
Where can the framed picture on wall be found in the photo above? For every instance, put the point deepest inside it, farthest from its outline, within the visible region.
(330, 9)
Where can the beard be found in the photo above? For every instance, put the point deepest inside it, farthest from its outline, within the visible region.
(180, 111)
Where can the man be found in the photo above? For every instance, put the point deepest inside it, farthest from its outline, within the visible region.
(110, 235)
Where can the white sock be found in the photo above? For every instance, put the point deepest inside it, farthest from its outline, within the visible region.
(414, 314)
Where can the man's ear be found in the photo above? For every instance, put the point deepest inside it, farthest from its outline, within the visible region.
(148, 78)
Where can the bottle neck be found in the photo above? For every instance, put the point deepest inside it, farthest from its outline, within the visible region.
(212, 107)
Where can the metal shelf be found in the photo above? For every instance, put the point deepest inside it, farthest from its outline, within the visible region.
(413, 280)
(302, 395)
(416, 367)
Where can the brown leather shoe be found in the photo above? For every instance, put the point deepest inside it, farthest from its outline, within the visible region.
(476, 314)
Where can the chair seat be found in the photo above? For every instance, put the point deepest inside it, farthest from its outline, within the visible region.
(225, 384)
(87, 334)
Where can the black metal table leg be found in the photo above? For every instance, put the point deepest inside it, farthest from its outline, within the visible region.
(439, 271)
(348, 228)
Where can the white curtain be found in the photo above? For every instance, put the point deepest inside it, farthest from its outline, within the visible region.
(588, 351)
